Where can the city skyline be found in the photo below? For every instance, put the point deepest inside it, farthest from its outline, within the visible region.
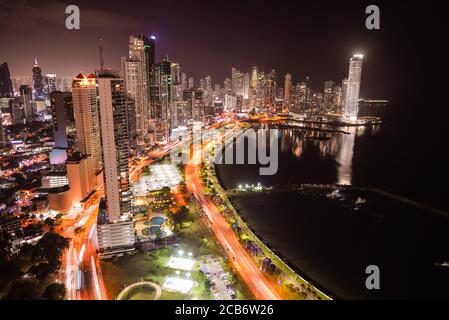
(233, 151)
(301, 61)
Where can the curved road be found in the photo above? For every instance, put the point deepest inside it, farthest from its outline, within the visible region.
(242, 261)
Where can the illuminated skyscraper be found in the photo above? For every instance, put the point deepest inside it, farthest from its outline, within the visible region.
(353, 89)
(2, 132)
(328, 94)
(135, 75)
(50, 84)
(84, 96)
(38, 81)
(61, 106)
(115, 145)
(287, 88)
(27, 97)
(5, 82)
(246, 86)
(115, 229)
(344, 89)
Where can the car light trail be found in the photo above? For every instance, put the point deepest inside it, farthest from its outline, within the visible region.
(95, 277)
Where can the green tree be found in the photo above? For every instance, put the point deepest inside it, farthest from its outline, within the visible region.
(54, 291)
(50, 247)
(23, 290)
(42, 270)
(180, 216)
(9, 269)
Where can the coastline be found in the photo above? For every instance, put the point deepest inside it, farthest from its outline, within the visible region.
(297, 277)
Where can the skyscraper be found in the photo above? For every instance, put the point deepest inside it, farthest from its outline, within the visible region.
(344, 89)
(352, 94)
(38, 81)
(135, 75)
(84, 94)
(61, 103)
(115, 145)
(50, 84)
(328, 94)
(27, 97)
(2, 132)
(287, 88)
(115, 229)
(308, 94)
(6, 90)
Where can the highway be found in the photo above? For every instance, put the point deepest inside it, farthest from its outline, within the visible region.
(243, 263)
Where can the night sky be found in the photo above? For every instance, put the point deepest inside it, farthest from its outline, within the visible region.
(314, 38)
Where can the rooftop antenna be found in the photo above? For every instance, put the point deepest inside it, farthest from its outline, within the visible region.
(100, 46)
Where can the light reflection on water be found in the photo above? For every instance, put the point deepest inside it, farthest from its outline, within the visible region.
(334, 142)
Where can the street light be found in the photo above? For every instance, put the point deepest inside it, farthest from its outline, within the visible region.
(180, 252)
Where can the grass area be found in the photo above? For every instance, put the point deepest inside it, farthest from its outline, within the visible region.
(119, 273)
(195, 237)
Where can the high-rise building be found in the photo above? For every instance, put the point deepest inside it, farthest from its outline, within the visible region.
(352, 94)
(287, 89)
(336, 99)
(115, 144)
(131, 119)
(135, 74)
(49, 84)
(328, 94)
(2, 132)
(254, 77)
(184, 84)
(115, 229)
(38, 81)
(300, 97)
(87, 121)
(61, 103)
(344, 90)
(26, 96)
(246, 86)
(6, 90)
(61, 106)
(308, 94)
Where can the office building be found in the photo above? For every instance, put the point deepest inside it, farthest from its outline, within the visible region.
(6, 89)
(87, 122)
(353, 89)
(114, 227)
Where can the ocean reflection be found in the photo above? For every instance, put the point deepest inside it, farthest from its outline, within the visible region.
(334, 142)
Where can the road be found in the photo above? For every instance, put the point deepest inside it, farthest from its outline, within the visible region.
(80, 269)
(243, 263)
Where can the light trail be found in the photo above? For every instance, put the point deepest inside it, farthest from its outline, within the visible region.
(95, 276)
(80, 256)
(92, 230)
